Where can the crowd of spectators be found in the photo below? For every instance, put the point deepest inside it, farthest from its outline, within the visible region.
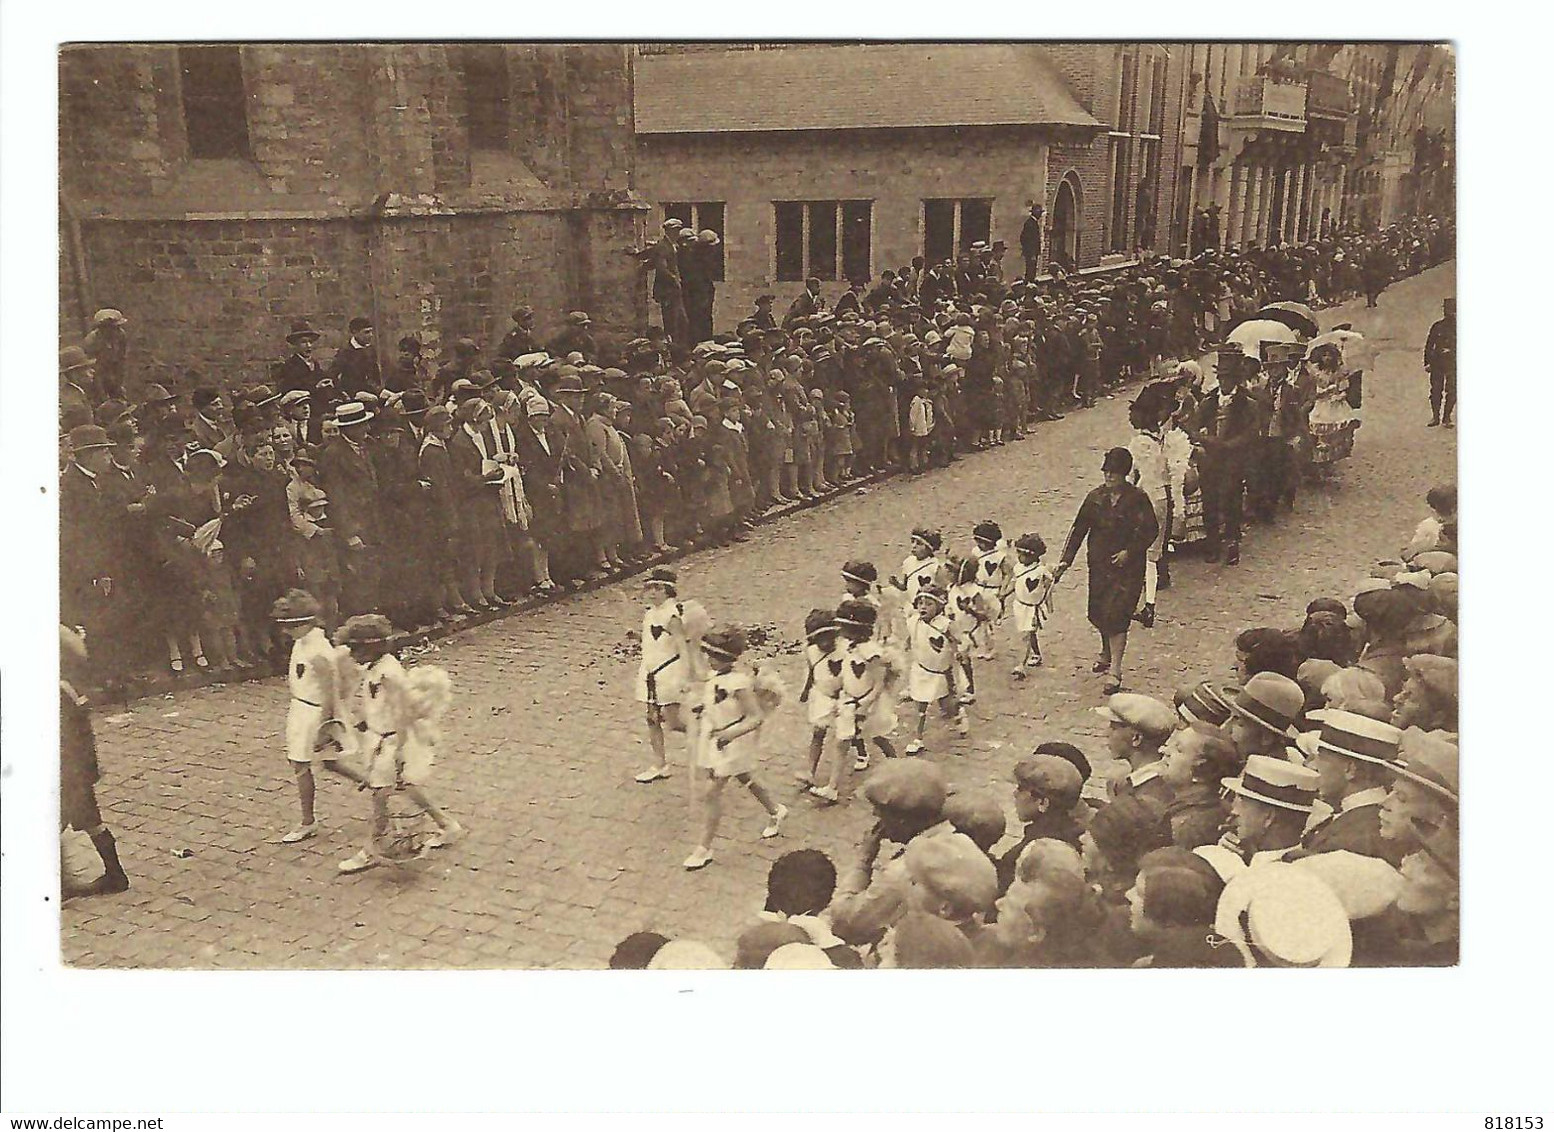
(434, 490)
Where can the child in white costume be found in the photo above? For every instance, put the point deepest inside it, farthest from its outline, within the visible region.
(1032, 597)
(972, 614)
(396, 735)
(865, 708)
(995, 576)
(671, 663)
(822, 685)
(313, 727)
(728, 743)
(922, 567)
(933, 644)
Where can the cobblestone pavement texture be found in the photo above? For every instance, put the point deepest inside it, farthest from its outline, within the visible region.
(566, 854)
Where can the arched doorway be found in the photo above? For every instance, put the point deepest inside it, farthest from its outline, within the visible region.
(1065, 224)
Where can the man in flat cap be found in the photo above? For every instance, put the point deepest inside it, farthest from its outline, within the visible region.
(299, 370)
(699, 262)
(107, 344)
(520, 339)
(662, 257)
(908, 797)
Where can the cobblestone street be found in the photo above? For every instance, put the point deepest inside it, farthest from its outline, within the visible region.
(566, 854)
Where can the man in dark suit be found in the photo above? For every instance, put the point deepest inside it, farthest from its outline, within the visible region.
(698, 277)
(88, 530)
(356, 369)
(520, 339)
(298, 370)
(1030, 241)
(663, 257)
(1351, 754)
(808, 303)
(348, 477)
(1224, 429)
(1440, 359)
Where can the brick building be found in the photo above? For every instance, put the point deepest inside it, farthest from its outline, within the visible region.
(841, 160)
(217, 192)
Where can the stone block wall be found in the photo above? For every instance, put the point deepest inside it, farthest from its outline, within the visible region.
(362, 197)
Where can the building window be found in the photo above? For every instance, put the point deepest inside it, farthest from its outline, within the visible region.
(1121, 159)
(702, 216)
(487, 93)
(857, 239)
(215, 107)
(824, 239)
(952, 226)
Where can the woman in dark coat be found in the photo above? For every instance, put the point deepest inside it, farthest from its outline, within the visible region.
(1119, 521)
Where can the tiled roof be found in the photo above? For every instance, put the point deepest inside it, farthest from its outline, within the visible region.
(851, 87)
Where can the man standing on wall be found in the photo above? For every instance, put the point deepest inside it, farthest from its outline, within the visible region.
(663, 257)
(1030, 241)
(698, 281)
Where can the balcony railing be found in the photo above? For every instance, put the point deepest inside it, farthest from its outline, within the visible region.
(1327, 96)
(1269, 103)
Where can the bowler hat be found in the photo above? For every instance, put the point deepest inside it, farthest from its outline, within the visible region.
(72, 358)
(578, 318)
(907, 786)
(302, 331)
(1269, 700)
(87, 436)
(1275, 782)
(109, 316)
(413, 403)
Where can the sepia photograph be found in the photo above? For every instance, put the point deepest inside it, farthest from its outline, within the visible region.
(757, 505)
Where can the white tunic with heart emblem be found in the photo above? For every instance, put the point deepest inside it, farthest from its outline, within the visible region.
(661, 655)
(721, 709)
(310, 679)
(931, 646)
(825, 683)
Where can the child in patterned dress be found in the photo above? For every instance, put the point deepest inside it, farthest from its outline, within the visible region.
(1032, 593)
(728, 739)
